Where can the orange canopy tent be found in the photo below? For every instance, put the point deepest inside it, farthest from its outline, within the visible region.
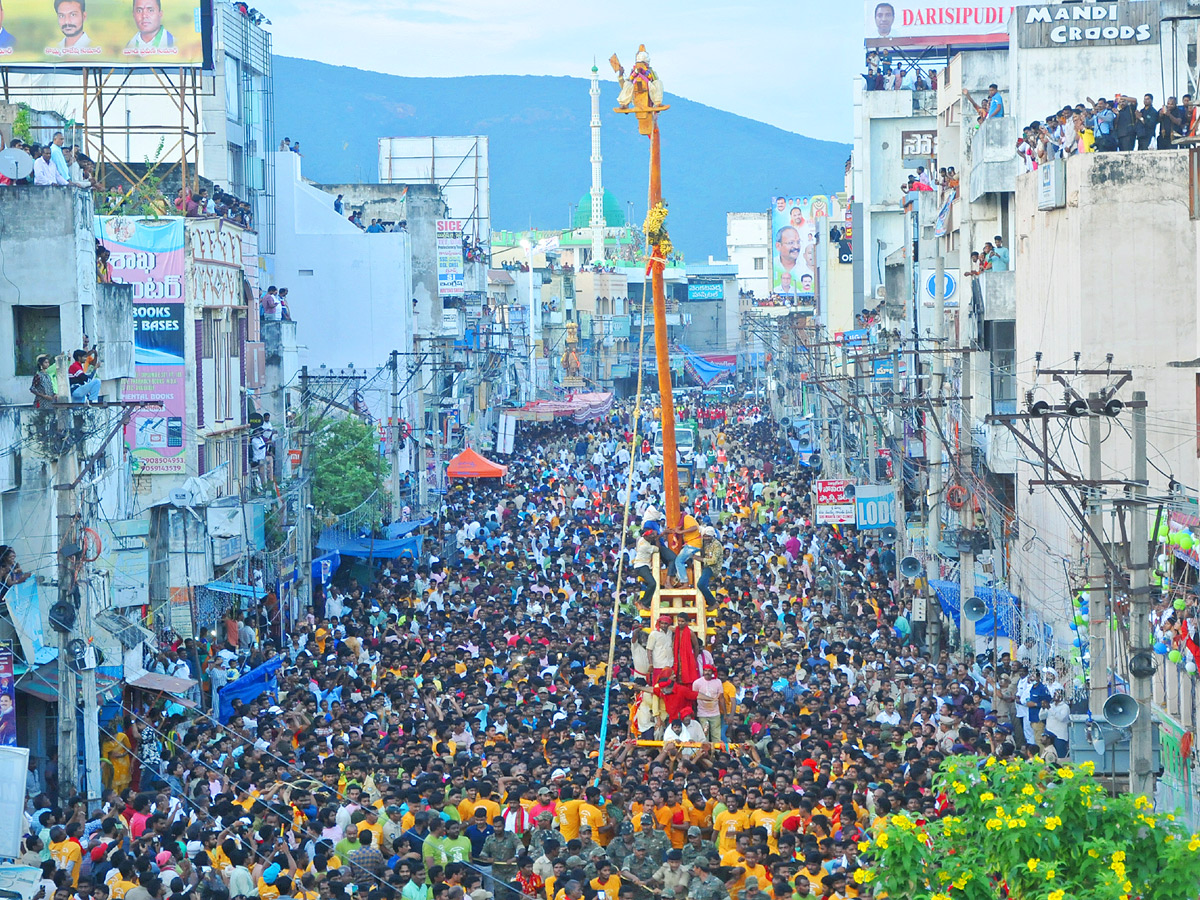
(470, 464)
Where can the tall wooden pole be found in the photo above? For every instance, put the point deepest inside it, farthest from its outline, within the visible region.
(662, 349)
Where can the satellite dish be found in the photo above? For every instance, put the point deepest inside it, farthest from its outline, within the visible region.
(15, 164)
(910, 567)
(974, 609)
(1120, 710)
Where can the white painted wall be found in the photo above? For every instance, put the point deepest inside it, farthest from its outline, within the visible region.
(1113, 272)
(879, 171)
(747, 237)
(356, 305)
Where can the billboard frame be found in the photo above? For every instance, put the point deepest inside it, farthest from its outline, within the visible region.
(100, 88)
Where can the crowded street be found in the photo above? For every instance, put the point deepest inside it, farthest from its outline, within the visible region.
(458, 452)
(437, 731)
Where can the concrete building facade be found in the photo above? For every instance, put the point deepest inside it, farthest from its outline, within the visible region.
(1075, 295)
(748, 245)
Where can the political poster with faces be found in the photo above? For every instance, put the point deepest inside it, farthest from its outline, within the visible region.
(795, 222)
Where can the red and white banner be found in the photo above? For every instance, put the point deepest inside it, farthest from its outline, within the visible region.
(835, 502)
(908, 24)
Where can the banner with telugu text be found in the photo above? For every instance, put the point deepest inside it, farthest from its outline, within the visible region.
(794, 224)
(148, 253)
(8, 700)
(109, 33)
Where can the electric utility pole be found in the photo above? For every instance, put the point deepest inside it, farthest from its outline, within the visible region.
(1097, 594)
(1141, 771)
(933, 459)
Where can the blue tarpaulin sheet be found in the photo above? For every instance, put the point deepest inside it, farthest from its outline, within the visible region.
(250, 686)
(364, 548)
(1005, 626)
(242, 590)
(400, 529)
(324, 567)
(704, 371)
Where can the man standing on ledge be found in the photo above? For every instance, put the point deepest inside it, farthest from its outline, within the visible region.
(151, 36)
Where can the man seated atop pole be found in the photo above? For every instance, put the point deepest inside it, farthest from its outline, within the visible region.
(692, 542)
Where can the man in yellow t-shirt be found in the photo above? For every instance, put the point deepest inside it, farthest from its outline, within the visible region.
(65, 853)
(466, 806)
(120, 887)
(766, 817)
(591, 815)
(567, 814)
(814, 872)
(752, 869)
(595, 669)
(606, 880)
(371, 823)
(689, 530)
(485, 800)
(729, 824)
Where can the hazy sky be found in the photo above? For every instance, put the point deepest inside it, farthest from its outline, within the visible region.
(788, 64)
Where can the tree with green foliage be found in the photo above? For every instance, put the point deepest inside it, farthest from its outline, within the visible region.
(1028, 831)
(347, 466)
(22, 124)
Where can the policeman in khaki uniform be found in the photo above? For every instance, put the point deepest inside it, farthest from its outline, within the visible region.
(672, 875)
(705, 885)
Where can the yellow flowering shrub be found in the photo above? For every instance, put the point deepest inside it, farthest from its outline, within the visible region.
(1066, 839)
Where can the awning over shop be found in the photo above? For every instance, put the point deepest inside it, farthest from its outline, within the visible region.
(42, 681)
(580, 407)
(1005, 625)
(242, 590)
(470, 464)
(156, 681)
(400, 529)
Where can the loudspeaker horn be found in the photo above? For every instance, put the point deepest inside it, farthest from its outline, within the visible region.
(889, 535)
(1121, 710)
(974, 609)
(910, 567)
(62, 617)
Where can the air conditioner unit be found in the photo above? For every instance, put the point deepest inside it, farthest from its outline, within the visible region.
(127, 633)
(180, 498)
(880, 293)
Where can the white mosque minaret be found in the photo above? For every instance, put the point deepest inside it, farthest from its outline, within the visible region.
(597, 221)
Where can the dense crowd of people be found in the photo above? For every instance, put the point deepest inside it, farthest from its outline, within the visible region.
(442, 727)
(58, 163)
(1106, 126)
